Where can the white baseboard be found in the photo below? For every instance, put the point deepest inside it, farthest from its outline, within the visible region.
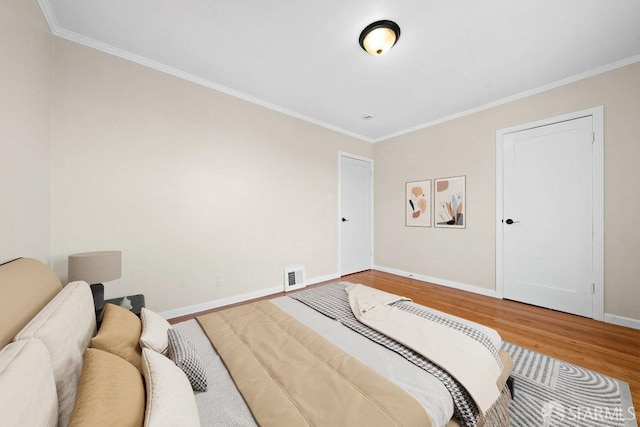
(437, 281)
(622, 321)
(183, 311)
(321, 279)
(608, 318)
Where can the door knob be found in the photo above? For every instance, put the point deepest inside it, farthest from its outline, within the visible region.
(344, 220)
(510, 221)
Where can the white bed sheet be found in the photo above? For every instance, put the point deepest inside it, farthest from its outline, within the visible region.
(222, 404)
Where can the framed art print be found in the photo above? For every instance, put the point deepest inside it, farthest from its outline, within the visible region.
(450, 202)
(418, 204)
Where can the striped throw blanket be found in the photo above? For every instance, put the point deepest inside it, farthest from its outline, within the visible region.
(332, 301)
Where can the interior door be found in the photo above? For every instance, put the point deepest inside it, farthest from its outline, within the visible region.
(356, 215)
(548, 216)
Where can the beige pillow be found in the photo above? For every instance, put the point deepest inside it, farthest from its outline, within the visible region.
(27, 388)
(65, 326)
(119, 334)
(154, 332)
(111, 392)
(170, 400)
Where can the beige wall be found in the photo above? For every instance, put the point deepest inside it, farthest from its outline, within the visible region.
(189, 183)
(25, 126)
(185, 180)
(466, 146)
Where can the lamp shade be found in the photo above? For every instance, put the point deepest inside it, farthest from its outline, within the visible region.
(95, 267)
(380, 36)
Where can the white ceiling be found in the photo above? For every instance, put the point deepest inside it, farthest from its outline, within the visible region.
(303, 57)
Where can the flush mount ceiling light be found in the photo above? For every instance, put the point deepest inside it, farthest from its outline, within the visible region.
(379, 37)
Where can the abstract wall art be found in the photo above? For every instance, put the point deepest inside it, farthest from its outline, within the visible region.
(450, 202)
(418, 204)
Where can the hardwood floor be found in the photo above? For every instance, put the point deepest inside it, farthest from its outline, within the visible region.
(602, 347)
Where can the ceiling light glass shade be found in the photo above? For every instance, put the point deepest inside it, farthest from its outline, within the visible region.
(379, 37)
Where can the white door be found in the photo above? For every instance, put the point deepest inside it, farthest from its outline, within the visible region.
(355, 220)
(548, 216)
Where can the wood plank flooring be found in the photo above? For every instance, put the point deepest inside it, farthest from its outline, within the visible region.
(602, 347)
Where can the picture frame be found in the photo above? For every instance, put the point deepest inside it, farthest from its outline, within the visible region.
(418, 203)
(450, 202)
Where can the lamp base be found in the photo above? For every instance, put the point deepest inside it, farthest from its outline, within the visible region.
(126, 303)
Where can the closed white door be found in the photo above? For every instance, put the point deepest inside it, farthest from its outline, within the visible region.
(548, 216)
(356, 215)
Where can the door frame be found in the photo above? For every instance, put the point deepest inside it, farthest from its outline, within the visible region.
(342, 154)
(597, 114)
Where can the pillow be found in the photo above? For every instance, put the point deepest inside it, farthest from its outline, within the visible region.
(27, 387)
(170, 400)
(111, 392)
(154, 332)
(186, 357)
(119, 334)
(65, 326)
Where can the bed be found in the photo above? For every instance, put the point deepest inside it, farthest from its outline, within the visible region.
(56, 368)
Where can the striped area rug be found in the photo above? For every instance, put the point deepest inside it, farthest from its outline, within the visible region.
(549, 392)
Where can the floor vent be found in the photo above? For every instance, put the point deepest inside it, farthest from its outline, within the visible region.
(293, 278)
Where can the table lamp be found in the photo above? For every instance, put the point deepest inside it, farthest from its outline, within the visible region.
(96, 268)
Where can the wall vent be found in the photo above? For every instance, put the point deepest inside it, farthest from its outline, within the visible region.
(293, 278)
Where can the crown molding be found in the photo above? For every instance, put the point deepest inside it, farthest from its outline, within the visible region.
(138, 59)
(47, 10)
(86, 41)
(530, 92)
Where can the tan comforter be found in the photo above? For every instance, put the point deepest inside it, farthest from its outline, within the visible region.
(290, 375)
